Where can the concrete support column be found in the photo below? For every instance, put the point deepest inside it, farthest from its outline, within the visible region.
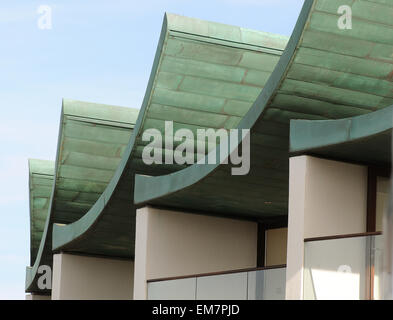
(295, 244)
(326, 198)
(91, 278)
(170, 244)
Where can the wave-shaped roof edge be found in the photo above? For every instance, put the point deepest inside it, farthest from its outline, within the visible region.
(311, 134)
(40, 180)
(217, 32)
(370, 130)
(83, 110)
(149, 188)
(65, 235)
(156, 190)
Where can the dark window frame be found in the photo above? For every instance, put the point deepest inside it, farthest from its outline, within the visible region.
(372, 175)
(263, 226)
(371, 219)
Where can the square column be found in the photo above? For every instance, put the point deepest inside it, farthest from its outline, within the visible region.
(326, 198)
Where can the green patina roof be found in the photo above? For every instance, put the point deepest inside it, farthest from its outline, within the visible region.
(204, 75)
(366, 138)
(324, 73)
(40, 189)
(92, 140)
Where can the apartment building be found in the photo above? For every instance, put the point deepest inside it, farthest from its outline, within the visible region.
(305, 221)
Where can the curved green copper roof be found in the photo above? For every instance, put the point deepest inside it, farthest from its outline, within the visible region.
(365, 138)
(324, 73)
(40, 187)
(204, 75)
(92, 140)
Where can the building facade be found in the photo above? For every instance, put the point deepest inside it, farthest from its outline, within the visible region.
(133, 208)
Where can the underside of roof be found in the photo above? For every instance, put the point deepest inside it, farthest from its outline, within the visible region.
(324, 73)
(40, 188)
(366, 138)
(92, 139)
(205, 75)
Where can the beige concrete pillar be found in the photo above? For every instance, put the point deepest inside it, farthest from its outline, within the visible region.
(91, 278)
(325, 198)
(170, 243)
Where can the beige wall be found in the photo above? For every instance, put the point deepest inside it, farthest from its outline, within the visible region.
(336, 198)
(276, 247)
(170, 243)
(81, 277)
(325, 198)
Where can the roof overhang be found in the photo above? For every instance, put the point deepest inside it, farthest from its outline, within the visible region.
(365, 139)
(324, 73)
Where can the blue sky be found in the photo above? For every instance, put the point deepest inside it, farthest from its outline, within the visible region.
(98, 51)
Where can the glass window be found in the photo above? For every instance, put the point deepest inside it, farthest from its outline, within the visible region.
(181, 289)
(343, 268)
